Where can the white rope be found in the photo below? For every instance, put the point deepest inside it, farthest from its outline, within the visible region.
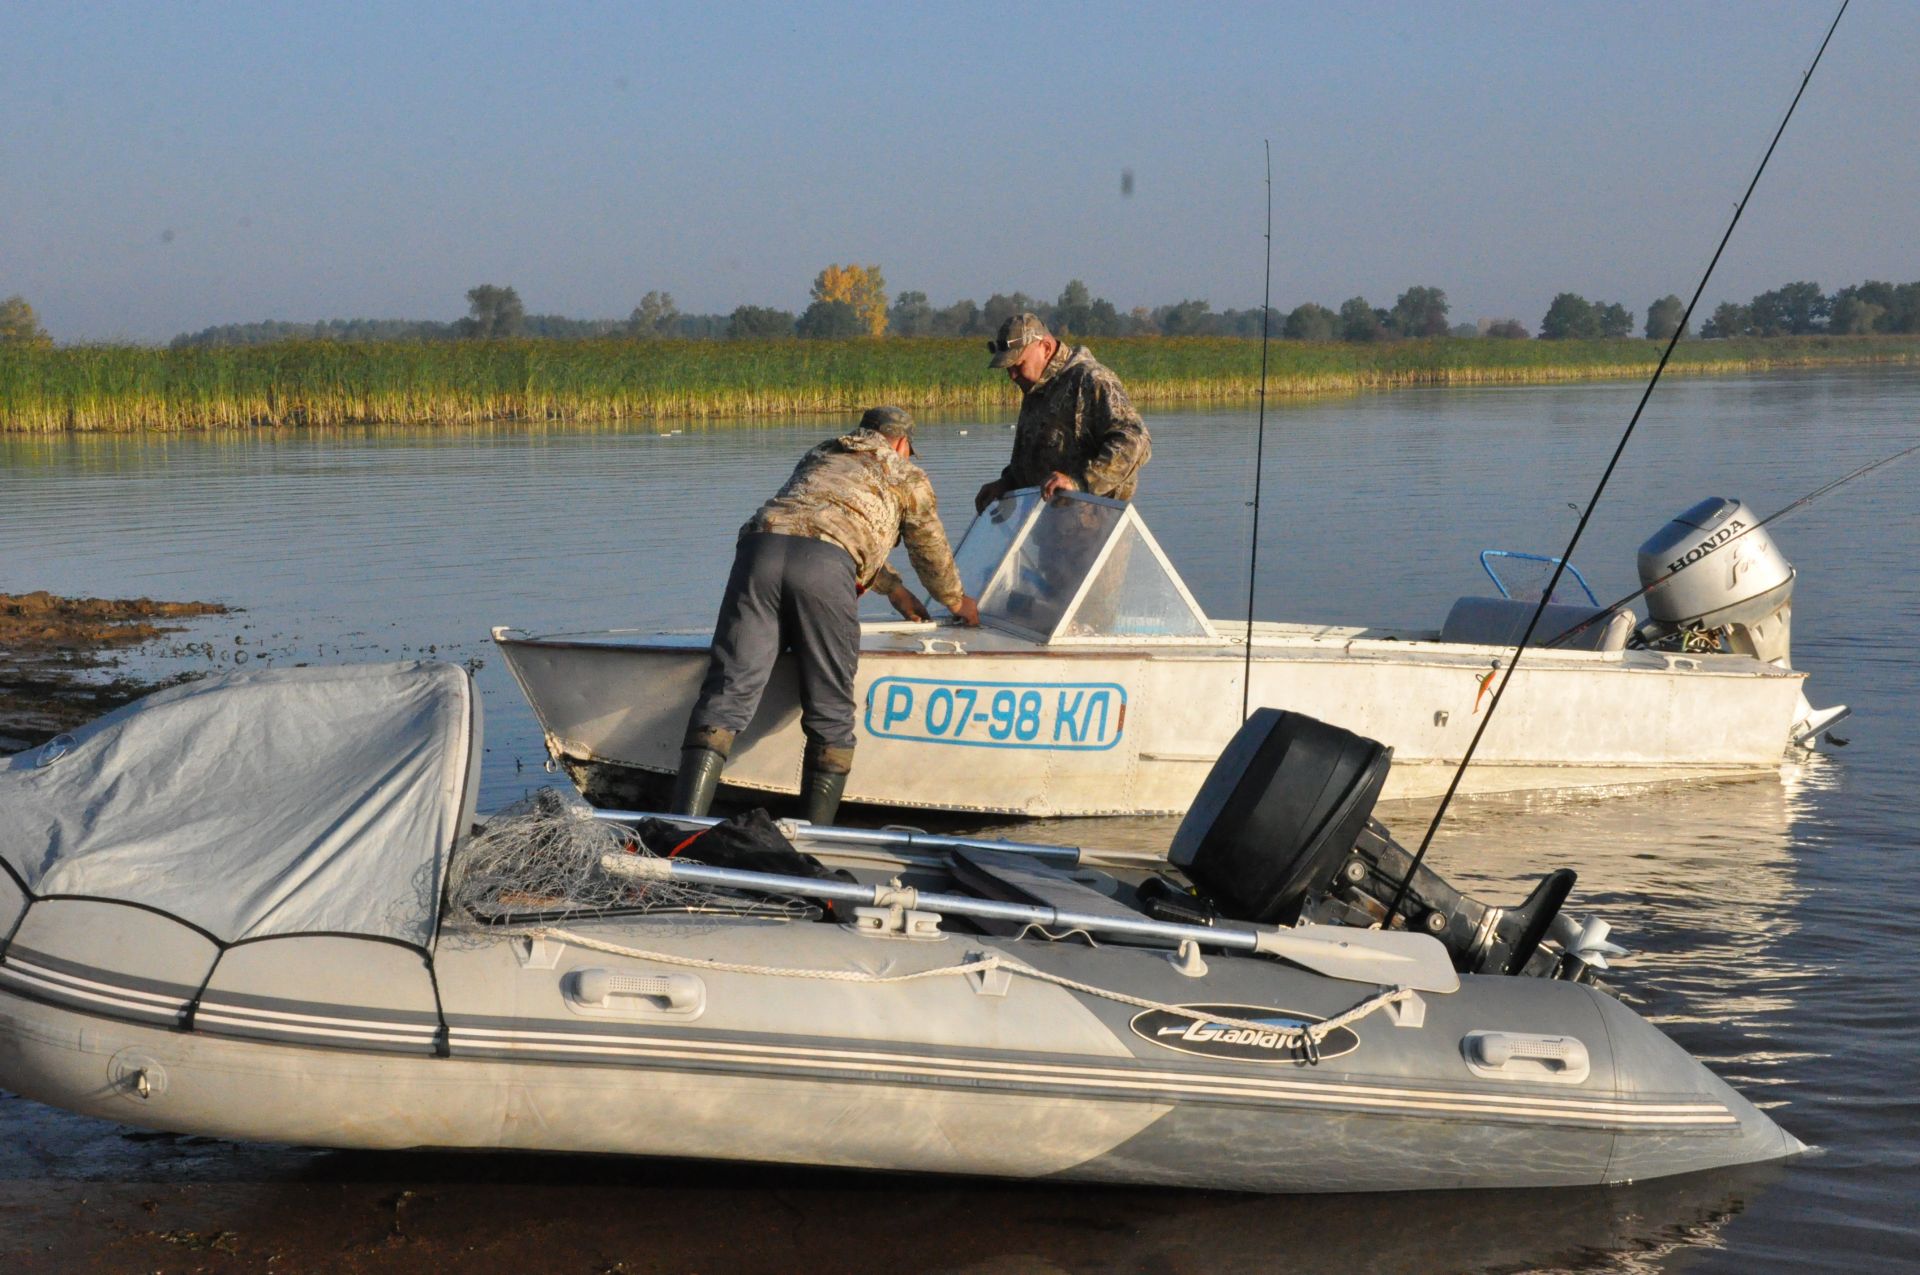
(1307, 1038)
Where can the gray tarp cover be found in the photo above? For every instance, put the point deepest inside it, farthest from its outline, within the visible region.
(287, 801)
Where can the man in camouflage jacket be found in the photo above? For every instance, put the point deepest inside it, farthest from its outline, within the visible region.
(800, 565)
(1078, 431)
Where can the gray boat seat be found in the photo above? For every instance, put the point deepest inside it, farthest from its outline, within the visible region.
(1482, 621)
(1018, 878)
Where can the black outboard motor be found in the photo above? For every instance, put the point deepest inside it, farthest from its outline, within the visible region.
(1281, 833)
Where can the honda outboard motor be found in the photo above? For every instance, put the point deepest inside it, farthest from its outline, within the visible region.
(1280, 833)
(1722, 584)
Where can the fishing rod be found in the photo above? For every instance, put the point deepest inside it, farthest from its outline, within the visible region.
(1608, 610)
(1560, 567)
(1260, 446)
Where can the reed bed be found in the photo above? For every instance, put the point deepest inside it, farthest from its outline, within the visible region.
(322, 383)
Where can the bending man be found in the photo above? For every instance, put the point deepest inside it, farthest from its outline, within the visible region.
(1078, 431)
(798, 570)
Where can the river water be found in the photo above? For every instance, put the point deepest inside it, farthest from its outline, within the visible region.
(1768, 918)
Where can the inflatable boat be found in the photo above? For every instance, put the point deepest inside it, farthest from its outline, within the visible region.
(262, 907)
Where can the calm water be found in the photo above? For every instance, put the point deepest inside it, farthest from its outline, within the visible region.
(1770, 920)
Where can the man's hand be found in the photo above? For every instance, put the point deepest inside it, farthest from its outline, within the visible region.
(988, 493)
(1056, 483)
(968, 611)
(907, 603)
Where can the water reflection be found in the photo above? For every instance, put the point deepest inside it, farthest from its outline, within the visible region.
(1769, 920)
(488, 1213)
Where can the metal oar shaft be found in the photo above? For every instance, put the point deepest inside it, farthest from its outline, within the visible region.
(884, 838)
(654, 869)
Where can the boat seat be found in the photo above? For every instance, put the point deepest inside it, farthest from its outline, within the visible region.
(1482, 621)
(1019, 878)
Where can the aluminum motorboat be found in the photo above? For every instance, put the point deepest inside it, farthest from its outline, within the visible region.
(1096, 685)
(262, 907)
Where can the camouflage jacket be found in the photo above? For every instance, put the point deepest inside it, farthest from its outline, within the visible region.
(858, 493)
(1079, 421)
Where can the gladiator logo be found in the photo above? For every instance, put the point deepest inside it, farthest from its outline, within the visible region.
(1707, 546)
(1273, 1035)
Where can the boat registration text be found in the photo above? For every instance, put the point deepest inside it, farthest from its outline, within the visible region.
(1055, 716)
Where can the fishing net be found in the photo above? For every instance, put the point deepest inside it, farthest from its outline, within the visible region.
(539, 859)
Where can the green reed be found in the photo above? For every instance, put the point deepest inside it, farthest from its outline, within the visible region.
(324, 383)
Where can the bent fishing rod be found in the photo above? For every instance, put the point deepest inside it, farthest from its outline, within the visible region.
(1608, 610)
(1260, 447)
(1560, 567)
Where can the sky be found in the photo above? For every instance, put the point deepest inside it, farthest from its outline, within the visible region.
(166, 167)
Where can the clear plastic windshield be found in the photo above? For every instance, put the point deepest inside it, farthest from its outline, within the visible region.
(1136, 595)
(1044, 570)
(985, 545)
(1029, 564)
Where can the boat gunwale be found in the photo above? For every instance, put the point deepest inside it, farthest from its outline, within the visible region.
(1311, 650)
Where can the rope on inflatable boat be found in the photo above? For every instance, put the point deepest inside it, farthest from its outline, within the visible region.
(1306, 1039)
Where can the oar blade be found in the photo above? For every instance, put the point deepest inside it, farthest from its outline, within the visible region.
(1392, 957)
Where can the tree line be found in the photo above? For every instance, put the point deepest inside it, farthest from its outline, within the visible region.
(851, 301)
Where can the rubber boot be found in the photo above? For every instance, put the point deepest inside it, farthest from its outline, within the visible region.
(823, 780)
(703, 754)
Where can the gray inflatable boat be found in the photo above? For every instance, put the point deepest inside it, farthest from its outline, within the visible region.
(260, 907)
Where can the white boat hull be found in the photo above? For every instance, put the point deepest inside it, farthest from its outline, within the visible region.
(1132, 731)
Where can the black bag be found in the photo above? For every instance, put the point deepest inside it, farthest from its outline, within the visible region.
(750, 842)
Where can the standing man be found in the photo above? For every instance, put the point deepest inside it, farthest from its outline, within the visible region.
(1077, 431)
(801, 563)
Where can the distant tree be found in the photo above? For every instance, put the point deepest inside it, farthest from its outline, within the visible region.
(1794, 310)
(1615, 320)
(493, 313)
(1073, 312)
(759, 323)
(655, 316)
(1310, 322)
(1899, 305)
(1243, 323)
(19, 325)
(1102, 320)
(1183, 318)
(1360, 321)
(962, 318)
(832, 321)
(1664, 316)
(1850, 315)
(701, 327)
(910, 315)
(1571, 317)
(1903, 313)
(1464, 330)
(1728, 320)
(1420, 312)
(1507, 330)
(861, 287)
(1000, 307)
(558, 327)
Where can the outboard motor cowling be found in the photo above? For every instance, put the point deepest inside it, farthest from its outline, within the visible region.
(1714, 572)
(1280, 833)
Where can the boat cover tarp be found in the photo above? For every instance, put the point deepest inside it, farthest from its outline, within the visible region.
(286, 801)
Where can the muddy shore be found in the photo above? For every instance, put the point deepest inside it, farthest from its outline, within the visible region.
(61, 659)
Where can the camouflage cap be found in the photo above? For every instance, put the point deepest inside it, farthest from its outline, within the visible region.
(892, 422)
(1016, 334)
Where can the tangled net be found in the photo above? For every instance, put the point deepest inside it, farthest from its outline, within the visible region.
(539, 859)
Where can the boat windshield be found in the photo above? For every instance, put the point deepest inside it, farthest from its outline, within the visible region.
(1077, 568)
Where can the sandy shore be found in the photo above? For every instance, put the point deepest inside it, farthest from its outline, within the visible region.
(60, 658)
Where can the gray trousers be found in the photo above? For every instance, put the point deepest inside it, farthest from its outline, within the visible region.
(785, 593)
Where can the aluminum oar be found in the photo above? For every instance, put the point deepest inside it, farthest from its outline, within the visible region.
(1394, 958)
